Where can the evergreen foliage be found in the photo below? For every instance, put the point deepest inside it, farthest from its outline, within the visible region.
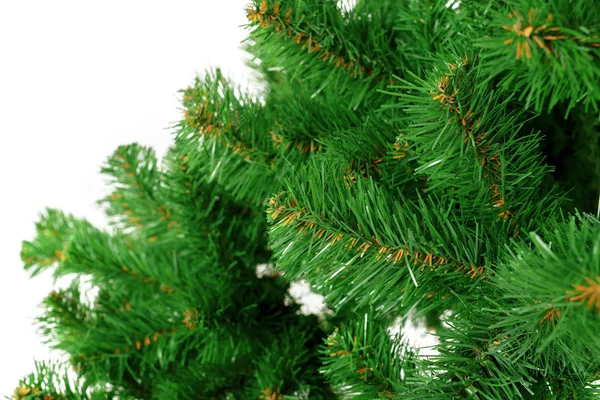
(410, 159)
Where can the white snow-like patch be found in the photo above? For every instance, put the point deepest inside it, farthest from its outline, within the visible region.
(346, 5)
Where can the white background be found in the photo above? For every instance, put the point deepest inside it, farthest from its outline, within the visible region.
(78, 79)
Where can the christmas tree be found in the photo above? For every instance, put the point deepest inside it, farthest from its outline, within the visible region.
(411, 159)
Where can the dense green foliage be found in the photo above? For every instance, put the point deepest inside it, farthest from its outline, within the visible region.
(415, 159)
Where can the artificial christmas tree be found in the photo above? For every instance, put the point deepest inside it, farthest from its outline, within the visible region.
(414, 159)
